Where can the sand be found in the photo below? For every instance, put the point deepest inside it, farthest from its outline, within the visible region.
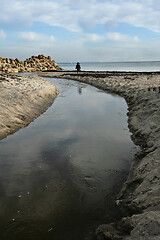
(22, 99)
(140, 195)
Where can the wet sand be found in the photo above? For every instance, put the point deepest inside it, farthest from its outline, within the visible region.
(140, 195)
(22, 99)
(25, 98)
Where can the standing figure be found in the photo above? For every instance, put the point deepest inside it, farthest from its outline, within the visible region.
(78, 67)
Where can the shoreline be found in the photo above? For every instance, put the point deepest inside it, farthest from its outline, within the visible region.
(23, 98)
(140, 194)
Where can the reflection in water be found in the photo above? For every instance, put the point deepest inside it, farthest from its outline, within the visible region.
(59, 176)
(80, 90)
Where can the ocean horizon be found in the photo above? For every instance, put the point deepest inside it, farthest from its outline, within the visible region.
(139, 66)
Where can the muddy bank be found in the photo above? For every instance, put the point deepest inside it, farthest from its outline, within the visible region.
(140, 195)
(23, 98)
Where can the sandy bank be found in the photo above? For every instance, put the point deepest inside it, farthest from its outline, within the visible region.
(22, 99)
(140, 195)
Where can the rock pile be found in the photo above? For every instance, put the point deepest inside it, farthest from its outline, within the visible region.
(33, 64)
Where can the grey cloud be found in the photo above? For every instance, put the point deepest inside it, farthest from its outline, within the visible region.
(111, 24)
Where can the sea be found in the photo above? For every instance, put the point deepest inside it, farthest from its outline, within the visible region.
(141, 66)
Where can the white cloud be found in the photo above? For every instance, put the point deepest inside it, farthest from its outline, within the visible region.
(136, 39)
(3, 35)
(30, 36)
(83, 14)
(93, 37)
(35, 37)
(79, 51)
(121, 37)
(52, 38)
(111, 36)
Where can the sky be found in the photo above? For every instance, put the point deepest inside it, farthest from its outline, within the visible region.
(81, 30)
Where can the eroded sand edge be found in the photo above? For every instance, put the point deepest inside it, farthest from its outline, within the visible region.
(140, 194)
(22, 99)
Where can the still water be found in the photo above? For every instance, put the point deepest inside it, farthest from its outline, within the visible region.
(60, 175)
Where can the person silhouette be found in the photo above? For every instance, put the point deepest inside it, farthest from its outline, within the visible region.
(78, 67)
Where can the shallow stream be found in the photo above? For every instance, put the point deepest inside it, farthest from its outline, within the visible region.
(59, 176)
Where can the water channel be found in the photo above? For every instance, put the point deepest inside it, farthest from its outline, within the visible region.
(59, 176)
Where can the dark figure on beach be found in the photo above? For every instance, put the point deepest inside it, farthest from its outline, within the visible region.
(78, 67)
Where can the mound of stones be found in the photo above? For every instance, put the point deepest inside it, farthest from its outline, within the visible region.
(33, 64)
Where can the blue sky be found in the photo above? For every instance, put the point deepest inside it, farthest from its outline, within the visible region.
(83, 30)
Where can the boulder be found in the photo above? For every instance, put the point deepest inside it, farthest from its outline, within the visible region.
(32, 64)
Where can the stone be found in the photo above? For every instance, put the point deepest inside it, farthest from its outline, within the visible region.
(32, 64)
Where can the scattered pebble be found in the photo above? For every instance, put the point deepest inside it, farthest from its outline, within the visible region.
(49, 230)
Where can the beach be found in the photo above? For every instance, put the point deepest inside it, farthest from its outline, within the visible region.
(140, 195)
(23, 98)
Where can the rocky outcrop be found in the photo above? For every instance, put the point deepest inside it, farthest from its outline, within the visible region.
(33, 64)
(140, 195)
